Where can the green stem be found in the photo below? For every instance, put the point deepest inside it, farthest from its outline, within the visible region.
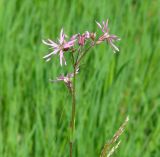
(83, 54)
(72, 122)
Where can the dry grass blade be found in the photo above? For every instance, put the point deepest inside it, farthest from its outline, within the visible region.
(113, 149)
(114, 140)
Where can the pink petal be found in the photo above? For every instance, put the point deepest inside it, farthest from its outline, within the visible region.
(61, 36)
(71, 43)
(113, 46)
(103, 23)
(48, 55)
(61, 57)
(53, 43)
(44, 42)
(64, 61)
(74, 37)
(87, 34)
(104, 29)
(99, 25)
(60, 78)
(106, 25)
(68, 45)
(50, 43)
(114, 37)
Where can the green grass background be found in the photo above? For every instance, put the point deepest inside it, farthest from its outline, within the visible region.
(35, 114)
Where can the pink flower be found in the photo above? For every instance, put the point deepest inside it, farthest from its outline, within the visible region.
(59, 48)
(66, 79)
(107, 37)
(82, 38)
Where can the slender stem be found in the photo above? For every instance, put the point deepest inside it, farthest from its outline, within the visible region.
(72, 122)
(83, 54)
(70, 145)
(79, 51)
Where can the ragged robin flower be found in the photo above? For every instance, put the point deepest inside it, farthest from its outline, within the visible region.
(82, 38)
(110, 39)
(67, 79)
(59, 48)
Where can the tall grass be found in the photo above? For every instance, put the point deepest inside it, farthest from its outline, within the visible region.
(34, 114)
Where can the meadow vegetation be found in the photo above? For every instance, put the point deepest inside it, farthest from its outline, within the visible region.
(34, 113)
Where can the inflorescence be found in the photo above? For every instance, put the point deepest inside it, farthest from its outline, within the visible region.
(77, 43)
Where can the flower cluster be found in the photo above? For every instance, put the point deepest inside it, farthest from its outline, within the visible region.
(61, 47)
(67, 79)
(77, 43)
(77, 46)
(110, 39)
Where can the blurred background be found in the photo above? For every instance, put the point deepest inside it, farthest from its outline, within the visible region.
(35, 114)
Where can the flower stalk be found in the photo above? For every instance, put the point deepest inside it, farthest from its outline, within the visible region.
(77, 47)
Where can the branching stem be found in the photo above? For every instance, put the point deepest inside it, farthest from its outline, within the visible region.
(72, 122)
